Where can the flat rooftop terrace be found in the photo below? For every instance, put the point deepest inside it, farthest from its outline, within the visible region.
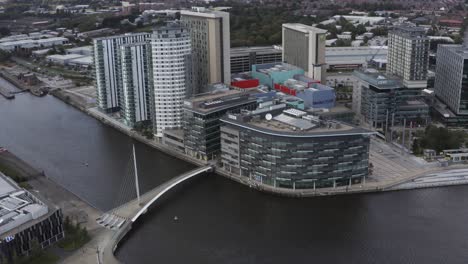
(378, 79)
(17, 206)
(275, 67)
(293, 123)
(242, 51)
(212, 102)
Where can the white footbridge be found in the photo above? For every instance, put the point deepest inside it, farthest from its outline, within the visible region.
(132, 210)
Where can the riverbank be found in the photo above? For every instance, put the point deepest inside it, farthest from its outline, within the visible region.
(105, 119)
(15, 167)
(387, 183)
(72, 206)
(34, 90)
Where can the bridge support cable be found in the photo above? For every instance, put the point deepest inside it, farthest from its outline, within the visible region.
(125, 194)
(137, 186)
(126, 191)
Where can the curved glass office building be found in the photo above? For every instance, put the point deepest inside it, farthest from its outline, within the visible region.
(291, 149)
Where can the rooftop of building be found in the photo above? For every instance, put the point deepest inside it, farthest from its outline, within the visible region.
(32, 41)
(344, 51)
(378, 79)
(239, 51)
(241, 76)
(410, 31)
(460, 50)
(32, 35)
(412, 104)
(85, 60)
(41, 51)
(218, 100)
(274, 67)
(361, 18)
(457, 21)
(304, 28)
(290, 122)
(354, 55)
(65, 56)
(204, 12)
(79, 49)
(169, 26)
(17, 206)
(300, 85)
(122, 35)
(100, 30)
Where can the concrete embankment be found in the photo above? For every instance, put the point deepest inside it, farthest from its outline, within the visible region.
(37, 91)
(368, 187)
(12, 79)
(69, 99)
(457, 175)
(374, 186)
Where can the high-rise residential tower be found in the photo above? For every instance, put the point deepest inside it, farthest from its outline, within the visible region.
(136, 82)
(451, 83)
(172, 80)
(408, 55)
(107, 68)
(304, 47)
(209, 32)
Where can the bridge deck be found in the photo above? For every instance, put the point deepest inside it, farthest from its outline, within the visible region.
(133, 209)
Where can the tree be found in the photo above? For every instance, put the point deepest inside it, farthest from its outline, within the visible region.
(360, 29)
(4, 55)
(438, 138)
(4, 31)
(380, 31)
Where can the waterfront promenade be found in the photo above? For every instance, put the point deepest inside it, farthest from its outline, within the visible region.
(391, 166)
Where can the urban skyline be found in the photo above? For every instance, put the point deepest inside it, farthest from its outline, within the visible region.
(128, 124)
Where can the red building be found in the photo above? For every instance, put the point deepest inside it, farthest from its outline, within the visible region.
(451, 22)
(245, 83)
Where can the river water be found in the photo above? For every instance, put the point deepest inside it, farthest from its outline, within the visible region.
(220, 221)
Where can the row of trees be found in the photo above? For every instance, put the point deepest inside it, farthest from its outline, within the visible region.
(75, 235)
(438, 138)
(253, 25)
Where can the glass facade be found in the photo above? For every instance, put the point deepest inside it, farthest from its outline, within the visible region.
(463, 106)
(295, 162)
(403, 103)
(201, 130)
(46, 232)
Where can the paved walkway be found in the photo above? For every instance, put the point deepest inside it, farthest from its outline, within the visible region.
(442, 178)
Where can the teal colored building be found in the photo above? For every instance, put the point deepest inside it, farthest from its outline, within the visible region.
(271, 73)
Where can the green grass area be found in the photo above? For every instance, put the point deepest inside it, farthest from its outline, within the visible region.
(15, 176)
(43, 258)
(25, 185)
(36, 256)
(12, 173)
(438, 139)
(75, 236)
